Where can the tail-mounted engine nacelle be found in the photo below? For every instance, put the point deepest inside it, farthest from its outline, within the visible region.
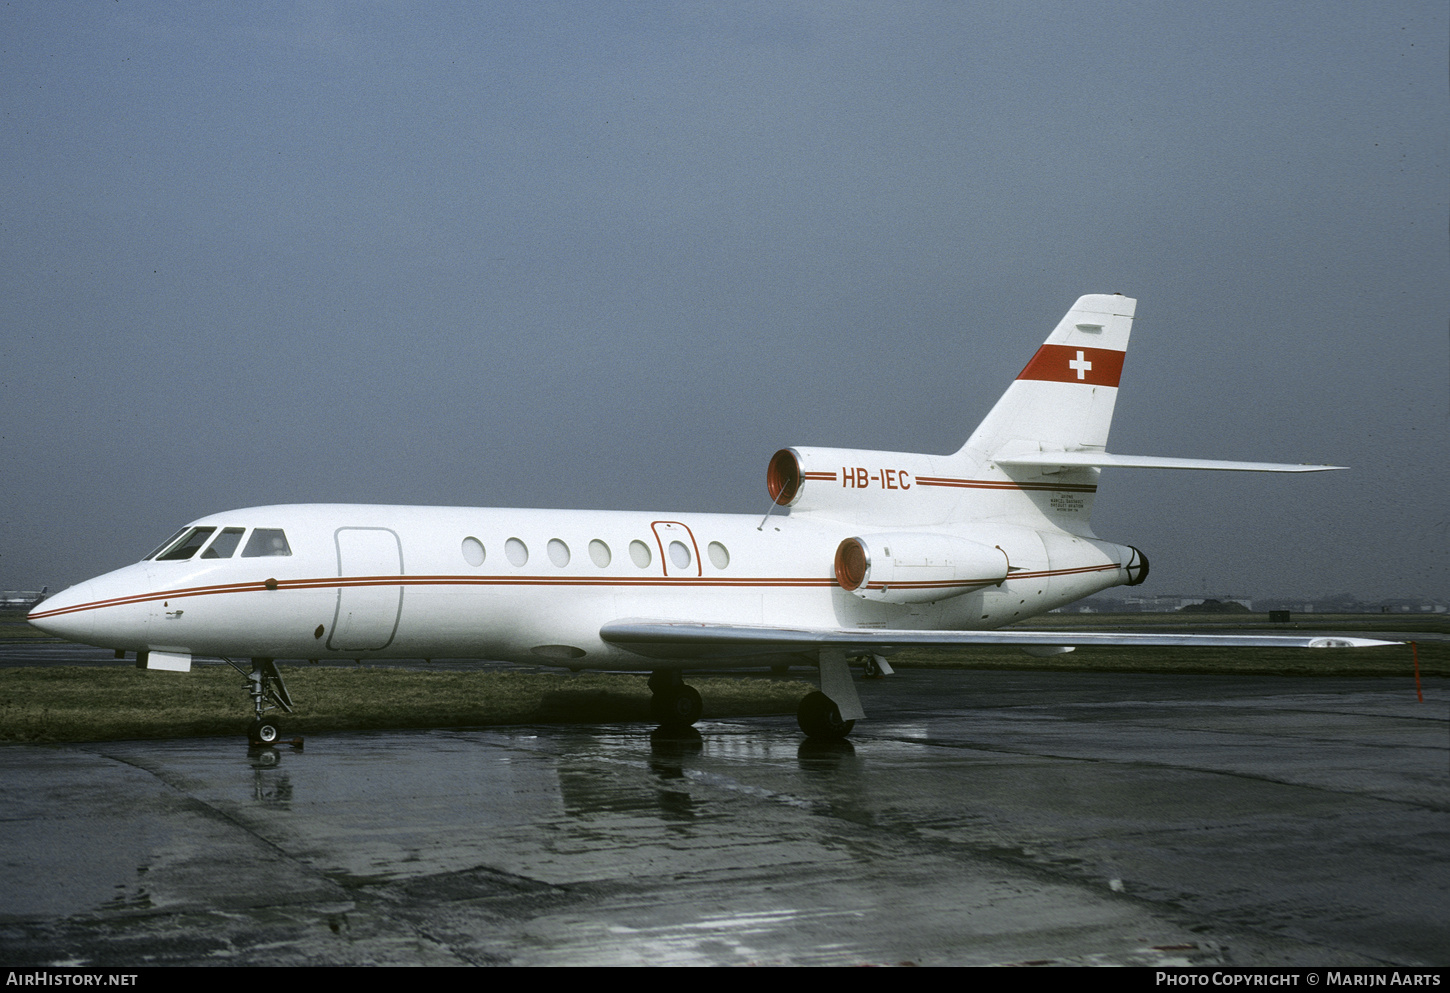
(916, 568)
(1136, 567)
(848, 484)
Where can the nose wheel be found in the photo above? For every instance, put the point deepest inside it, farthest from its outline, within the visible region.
(263, 732)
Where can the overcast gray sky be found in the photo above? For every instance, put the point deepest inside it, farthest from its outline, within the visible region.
(614, 255)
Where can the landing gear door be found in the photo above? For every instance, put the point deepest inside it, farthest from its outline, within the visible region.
(368, 606)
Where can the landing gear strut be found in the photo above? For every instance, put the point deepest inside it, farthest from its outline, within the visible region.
(268, 692)
(673, 704)
(831, 713)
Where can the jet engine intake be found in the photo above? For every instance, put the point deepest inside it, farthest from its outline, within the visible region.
(916, 568)
(783, 477)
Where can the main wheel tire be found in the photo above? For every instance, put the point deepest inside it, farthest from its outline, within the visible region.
(819, 717)
(264, 732)
(678, 707)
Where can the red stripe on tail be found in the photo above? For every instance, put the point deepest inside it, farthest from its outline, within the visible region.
(1070, 364)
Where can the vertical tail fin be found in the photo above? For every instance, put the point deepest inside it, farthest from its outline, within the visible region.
(1014, 467)
(1063, 400)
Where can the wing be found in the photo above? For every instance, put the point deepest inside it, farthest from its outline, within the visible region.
(1104, 460)
(686, 640)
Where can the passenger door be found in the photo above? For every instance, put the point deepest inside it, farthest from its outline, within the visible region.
(368, 606)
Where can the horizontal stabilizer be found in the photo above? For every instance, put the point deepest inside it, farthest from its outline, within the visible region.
(682, 640)
(1104, 460)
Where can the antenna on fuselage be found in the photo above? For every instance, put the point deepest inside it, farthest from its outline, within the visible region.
(761, 525)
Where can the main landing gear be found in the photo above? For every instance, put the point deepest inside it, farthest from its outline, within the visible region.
(820, 717)
(675, 705)
(831, 713)
(828, 714)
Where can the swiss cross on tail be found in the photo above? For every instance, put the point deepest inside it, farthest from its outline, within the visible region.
(1070, 364)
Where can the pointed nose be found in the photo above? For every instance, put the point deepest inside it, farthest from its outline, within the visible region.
(65, 614)
(110, 610)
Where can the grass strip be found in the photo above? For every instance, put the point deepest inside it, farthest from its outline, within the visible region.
(101, 703)
(104, 703)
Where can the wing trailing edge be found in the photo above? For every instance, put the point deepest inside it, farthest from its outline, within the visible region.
(1106, 460)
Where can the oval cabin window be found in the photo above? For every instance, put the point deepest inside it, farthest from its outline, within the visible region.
(473, 552)
(516, 551)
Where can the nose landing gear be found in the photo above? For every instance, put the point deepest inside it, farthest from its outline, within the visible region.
(268, 692)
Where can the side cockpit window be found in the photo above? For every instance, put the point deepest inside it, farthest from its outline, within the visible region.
(225, 544)
(266, 541)
(186, 546)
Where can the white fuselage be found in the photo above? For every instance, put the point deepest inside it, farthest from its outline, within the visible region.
(536, 586)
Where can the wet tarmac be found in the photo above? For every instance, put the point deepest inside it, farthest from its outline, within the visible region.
(975, 818)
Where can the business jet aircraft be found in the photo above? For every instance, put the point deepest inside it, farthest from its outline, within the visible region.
(870, 552)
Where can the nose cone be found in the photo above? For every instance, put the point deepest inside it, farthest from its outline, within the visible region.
(64, 615)
(109, 610)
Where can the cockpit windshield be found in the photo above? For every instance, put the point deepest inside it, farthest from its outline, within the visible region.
(225, 544)
(185, 543)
